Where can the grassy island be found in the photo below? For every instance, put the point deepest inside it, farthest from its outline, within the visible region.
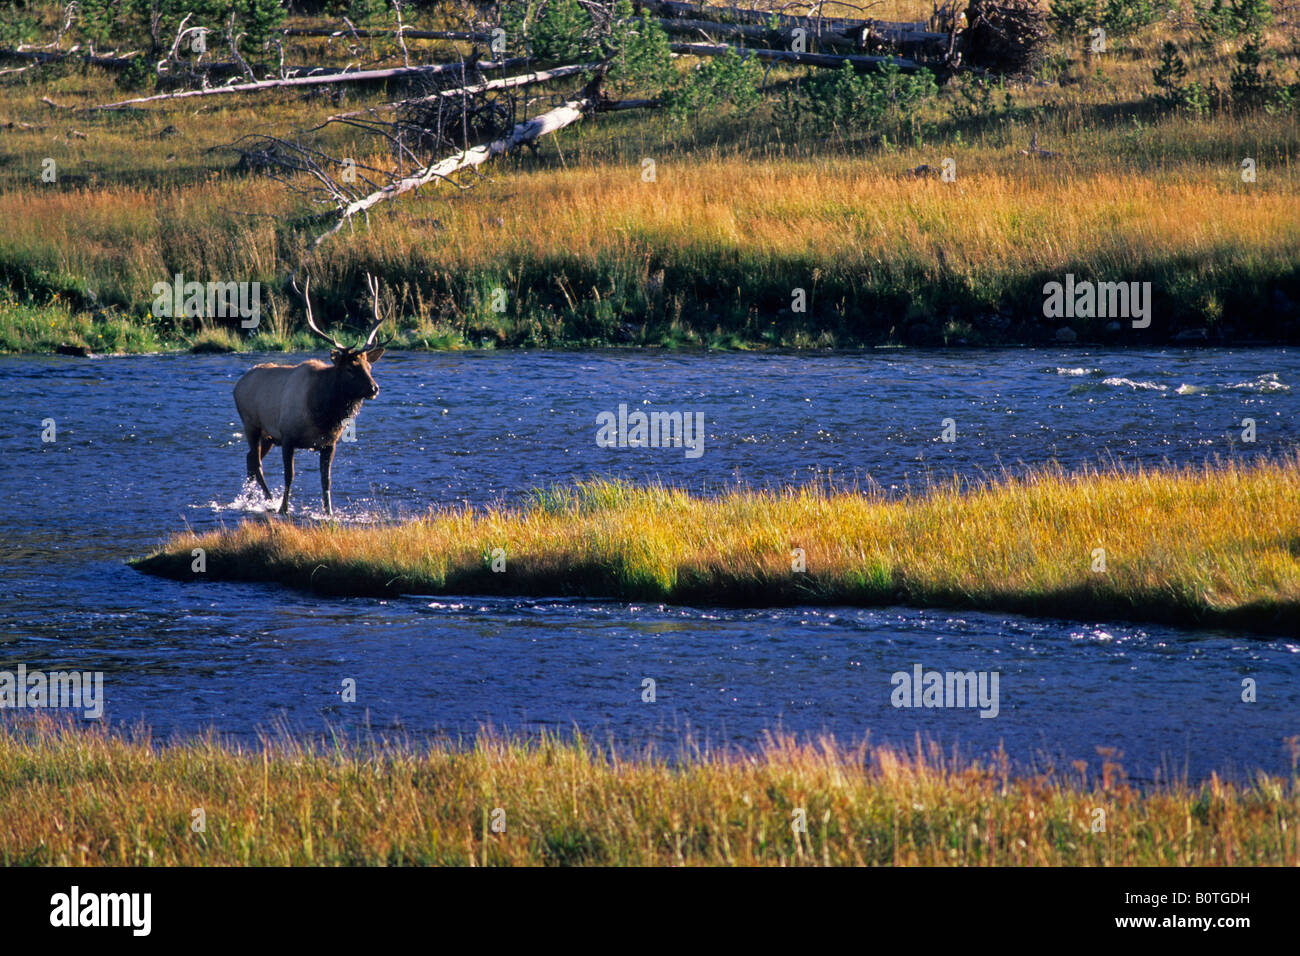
(1215, 546)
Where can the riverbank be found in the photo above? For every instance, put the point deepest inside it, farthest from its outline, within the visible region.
(770, 261)
(758, 229)
(1206, 547)
(87, 797)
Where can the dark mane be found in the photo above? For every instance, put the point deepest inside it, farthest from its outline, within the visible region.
(328, 405)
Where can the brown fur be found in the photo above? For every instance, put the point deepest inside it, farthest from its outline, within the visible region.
(303, 406)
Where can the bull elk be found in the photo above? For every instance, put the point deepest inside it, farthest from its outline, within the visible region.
(309, 404)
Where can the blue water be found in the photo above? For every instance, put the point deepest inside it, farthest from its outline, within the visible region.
(147, 445)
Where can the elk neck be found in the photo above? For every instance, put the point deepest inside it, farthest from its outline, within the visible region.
(330, 404)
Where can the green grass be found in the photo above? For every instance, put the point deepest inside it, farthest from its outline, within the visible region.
(1215, 546)
(78, 797)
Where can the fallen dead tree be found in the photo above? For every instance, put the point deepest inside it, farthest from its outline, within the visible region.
(743, 31)
(357, 76)
(109, 61)
(407, 32)
(477, 89)
(861, 62)
(424, 126)
(523, 133)
(164, 69)
(867, 38)
(691, 19)
(817, 26)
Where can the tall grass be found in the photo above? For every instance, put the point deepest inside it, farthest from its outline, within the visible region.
(1216, 546)
(90, 797)
(743, 212)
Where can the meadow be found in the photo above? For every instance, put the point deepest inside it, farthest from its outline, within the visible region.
(78, 797)
(1216, 546)
(747, 206)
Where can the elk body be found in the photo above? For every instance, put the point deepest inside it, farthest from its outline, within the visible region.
(306, 405)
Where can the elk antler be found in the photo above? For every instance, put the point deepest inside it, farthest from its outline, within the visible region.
(311, 322)
(373, 284)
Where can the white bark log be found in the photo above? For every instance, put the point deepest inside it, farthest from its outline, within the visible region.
(524, 132)
(358, 76)
(406, 32)
(860, 61)
(505, 83)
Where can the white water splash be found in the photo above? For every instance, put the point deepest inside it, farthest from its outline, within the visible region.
(1265, 384)
(250, 500)
(1119, 382)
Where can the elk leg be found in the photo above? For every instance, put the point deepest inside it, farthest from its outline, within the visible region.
(288, 477)
(326, 459)
(260, 445)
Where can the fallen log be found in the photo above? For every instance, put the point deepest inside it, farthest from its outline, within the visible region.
(504, 83)
(890, 29)
(675, 26)
(684, 18)
(524, 132)
(215, 68)
(901, 41)
(861, 62)
(42, 56)
(218, 69)
(466, 36)
(746, 32)
(358, 76)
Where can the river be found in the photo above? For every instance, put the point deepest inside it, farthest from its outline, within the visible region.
(147, 445)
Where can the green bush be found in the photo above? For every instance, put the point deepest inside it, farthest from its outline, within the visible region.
(1170, 78)
(1253, 86)
(563, 33)
(638, 51)
(1230, 18)
(139, 75)
(888, 100)
(727, 80)
(1072, 19)
(1125, 17)
(96, 19)
(16, 27)
(976, 103)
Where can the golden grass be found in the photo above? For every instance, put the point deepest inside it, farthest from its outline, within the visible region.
(743, 211)
(88, 797)
(844, 216)
(1213, 546)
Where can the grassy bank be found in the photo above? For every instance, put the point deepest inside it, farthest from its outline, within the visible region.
(744, 210)
(86, 797)
(1216, 546)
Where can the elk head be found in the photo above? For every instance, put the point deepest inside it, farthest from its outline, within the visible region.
(351, 364)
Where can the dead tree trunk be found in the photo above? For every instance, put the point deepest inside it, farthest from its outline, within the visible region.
(860, 62)
(525, 132)
(504, 83)
(817, 26)
(359, 76)
(40, 56)
(468, 37)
